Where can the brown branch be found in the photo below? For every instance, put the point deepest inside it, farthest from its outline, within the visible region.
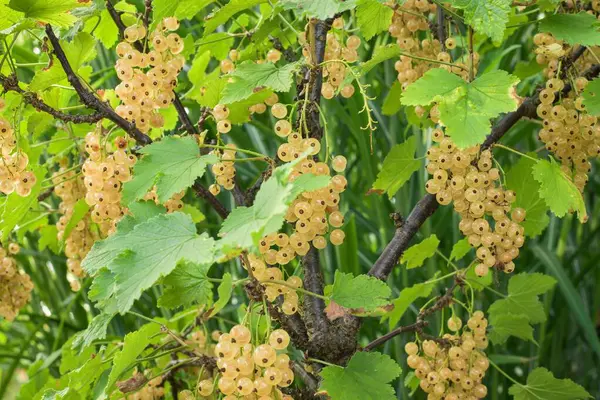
(293, 324)
(147, 12)
(45, 194)
(401, 329)
(11, 84)
(203, 192)
(89, 98)
(443, 301)
(441, 27)
(314, 307)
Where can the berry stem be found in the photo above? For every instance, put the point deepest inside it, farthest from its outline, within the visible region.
(322, 362)
(501, 146)
(506, 375)
(441, 278)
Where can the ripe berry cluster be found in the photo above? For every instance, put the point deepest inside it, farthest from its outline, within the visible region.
(335, 73)
(224, 170)
(148, 79)
(456, 371)
(569, 132)
(15, 285)
(265, 275)
(104, 173)
(70, 187)
(407, 24)
(246, 369)
(466, 178)
(14, 176)
(550, 50)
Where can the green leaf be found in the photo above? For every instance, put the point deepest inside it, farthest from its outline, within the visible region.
(193, 212)
(53, 12)
(224, 291)
(391, 103)
(321, 9)
(103, 252)
(133, 345)
(224, 14)
(96, 330)
(172, 164)
(460, 249)
(366, 377)
(373, 17)
(557, 190)
(398, 166)
(64, 394)
(187, 284)
(244, 226)
(102, 288)
(520, 179)
(488, 17)
(249, 76)
(522, 298)
(79, 51)
(15, 208)
(149, 251)
(406, 297)
(381, 54)
(80, 209)
(106, 31)
(216, 44)
(187, 9)
(574, 29)
(362, 291)
(81, 379)
(48, 238)
(591, 97)
(505, 325)
(465, 108)
(412, 382)
(162, 9)
(71, 359)
(541, 384)
(10, 18)
(416, 255)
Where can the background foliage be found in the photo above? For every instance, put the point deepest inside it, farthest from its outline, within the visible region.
(566, 343)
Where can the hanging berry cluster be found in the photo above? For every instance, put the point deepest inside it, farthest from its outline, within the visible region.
(568, 132)
(70, 187)
(14, 175)
(246, 369)
(409, 23)
(550, 50)
(266, 275)
(104, 173)
(15, 285)
(467, 179)
(337, 56)
(224, 170)
(148, 79)
(456, 371)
